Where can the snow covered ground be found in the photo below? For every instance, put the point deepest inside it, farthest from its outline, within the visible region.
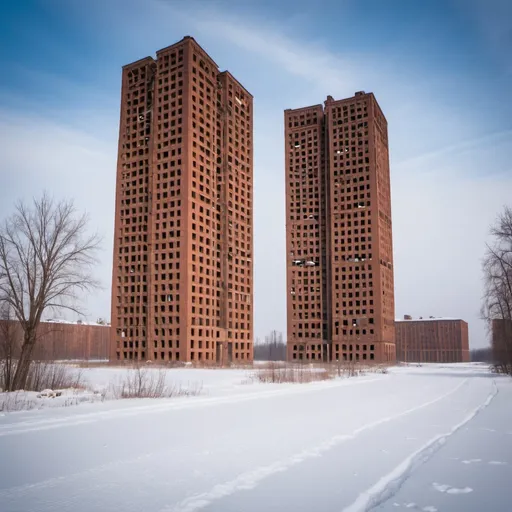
(430, 438)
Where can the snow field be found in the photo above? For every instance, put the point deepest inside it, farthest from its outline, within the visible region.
(354, 444)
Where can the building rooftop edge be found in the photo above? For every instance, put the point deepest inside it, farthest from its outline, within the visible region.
(437, 319)
(181, 41)
(148, 58)
(357, 94)
(303, 108)
(178, 43)
(331, 100)
(226, 72)
(69, 322)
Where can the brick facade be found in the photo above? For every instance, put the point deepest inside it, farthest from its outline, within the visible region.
(339, 254)
(501, 332)
(61, 341)
(432, 340)
(182, 283)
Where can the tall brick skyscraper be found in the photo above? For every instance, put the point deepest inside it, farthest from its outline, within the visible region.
(340, 294)
(182, 275)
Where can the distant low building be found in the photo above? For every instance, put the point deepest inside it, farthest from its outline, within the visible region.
(432, 340)
(63, 340)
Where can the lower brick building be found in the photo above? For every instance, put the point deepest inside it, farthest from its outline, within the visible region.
(501, 329)
(432, 340)
(60, 340)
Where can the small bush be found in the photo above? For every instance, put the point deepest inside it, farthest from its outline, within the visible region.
(16, 401)
(277, 373)
(48, 375)
(142, 382)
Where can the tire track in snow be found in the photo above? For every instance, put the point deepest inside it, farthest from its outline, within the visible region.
(187, 403)
(390, 484)
(18, 491)
(12, 493)
(252, 479)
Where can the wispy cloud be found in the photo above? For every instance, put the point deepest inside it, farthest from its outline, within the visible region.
(310, 62)
(493, 147)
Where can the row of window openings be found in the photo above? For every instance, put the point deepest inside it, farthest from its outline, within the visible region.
(307, 140)
(357, 284)
(345, 145)
(336, 347)
(130, 355)
(346, 357)
(350, 118)
(305, 122)
(345, 332)
(296, 122)
(305, 236)
(364, 293)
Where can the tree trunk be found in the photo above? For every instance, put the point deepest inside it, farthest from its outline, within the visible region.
(23, 366)
(8, 377)
(8, 352)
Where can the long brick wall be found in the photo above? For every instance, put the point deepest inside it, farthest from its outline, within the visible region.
(66, 341)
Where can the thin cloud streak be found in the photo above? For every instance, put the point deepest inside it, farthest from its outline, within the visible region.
(473, 145)
(311, 63)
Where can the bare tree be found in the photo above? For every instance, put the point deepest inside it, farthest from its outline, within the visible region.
(497, 304)
(46, 257)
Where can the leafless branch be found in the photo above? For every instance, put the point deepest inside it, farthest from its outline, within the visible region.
(46, 261)
(497, 299)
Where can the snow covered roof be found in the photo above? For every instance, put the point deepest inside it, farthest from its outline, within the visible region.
(435, 319)
(82, 322)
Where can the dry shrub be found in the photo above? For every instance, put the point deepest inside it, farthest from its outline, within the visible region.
(356, 368)
(16, 401)
(277, 373)
(48, 375)
(143, 382)
(346, 368)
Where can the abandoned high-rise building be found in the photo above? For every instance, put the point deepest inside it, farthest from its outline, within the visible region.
(182, 271)
(340, 294)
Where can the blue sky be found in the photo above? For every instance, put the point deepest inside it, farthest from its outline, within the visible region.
(441, 70)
